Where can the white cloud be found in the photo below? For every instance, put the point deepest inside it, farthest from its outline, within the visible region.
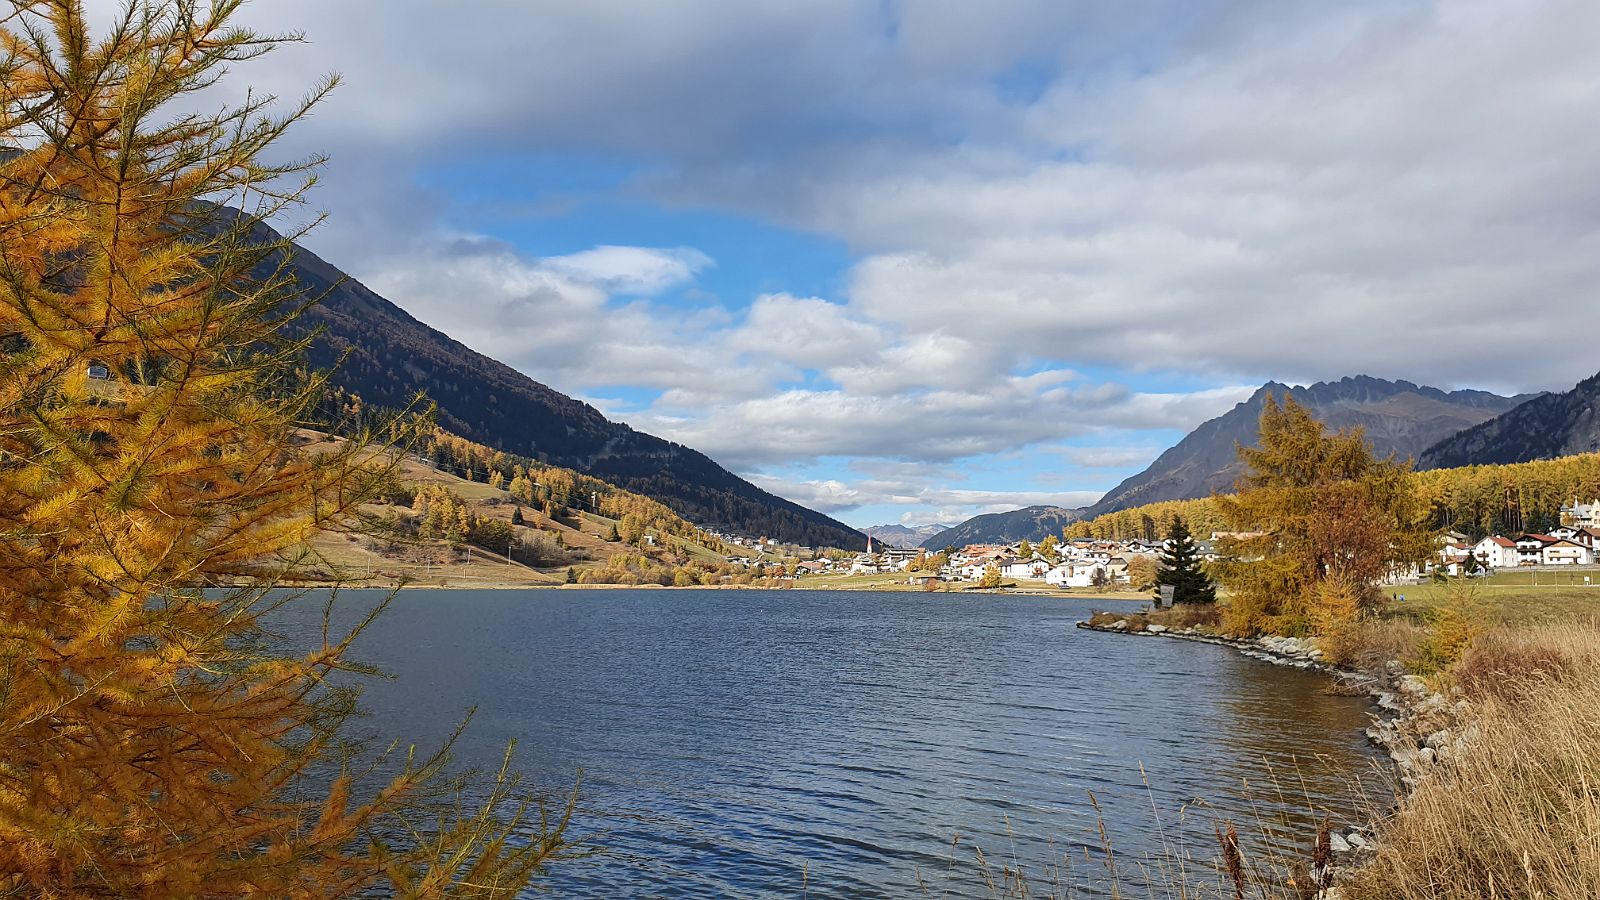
(1035, 190)
(808, 332)
(1110, 457)
(932, 505)
(941, 425)
(630, 270)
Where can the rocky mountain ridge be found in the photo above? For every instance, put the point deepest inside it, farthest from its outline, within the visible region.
(1399, 417)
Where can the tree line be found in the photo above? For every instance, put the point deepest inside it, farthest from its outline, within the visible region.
(1478, 501)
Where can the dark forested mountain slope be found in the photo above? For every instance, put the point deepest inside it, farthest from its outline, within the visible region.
(1032, 523)
(1545, 427)
(392, 356)
(1399, 417)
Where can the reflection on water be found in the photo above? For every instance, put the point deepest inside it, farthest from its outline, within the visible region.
(731, 740)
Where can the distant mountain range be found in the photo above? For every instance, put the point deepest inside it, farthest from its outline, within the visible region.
(1399, 417)
(392, 356)
(903, 536)
(1547, 426)
(1028, 524)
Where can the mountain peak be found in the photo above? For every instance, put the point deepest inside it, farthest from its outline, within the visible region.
(1546, 426)
(385, 356)
(1030, 523)
(1398, 416)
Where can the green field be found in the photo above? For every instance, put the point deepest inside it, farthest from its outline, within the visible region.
(1511, 598)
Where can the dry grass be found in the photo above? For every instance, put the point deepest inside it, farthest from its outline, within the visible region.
(1189, 615)
(1514, 665)
(1517, 812)
(1103, 619)
(1368, 644)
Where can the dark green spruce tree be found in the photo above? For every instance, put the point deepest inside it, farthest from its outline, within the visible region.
(1180, 567)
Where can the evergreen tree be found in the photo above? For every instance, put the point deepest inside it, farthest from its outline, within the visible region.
(1180, 568)
(516, 516)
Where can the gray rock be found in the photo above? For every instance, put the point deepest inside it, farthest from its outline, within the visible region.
(1338, 844)
(1432, 703)
(1358, 842)
(1436, 740)
(1413, 686)
(1426, 756)
(1156, 629)
(1120, 624)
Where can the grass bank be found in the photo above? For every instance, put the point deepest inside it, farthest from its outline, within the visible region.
(1513, 810)
(1515, 813)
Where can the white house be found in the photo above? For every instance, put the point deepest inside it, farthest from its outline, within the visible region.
(1530, 549)
(864, 565)
(1025, 569)
(1117, 568)
(972, 571)
(1567, 553)
(1496, 552)
(1075, 574)
(895, 559)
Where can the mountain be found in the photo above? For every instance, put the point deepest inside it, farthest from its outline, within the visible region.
(1547, 426)
(1029, 524)
(905, 537)
(392, 356)
(1399, 417)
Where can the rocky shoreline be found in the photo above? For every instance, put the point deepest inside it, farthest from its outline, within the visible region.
(1415, 726)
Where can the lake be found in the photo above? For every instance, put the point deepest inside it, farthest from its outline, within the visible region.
(758, 743)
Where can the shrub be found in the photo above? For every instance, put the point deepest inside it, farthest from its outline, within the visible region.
(1456, 622)
(1188, 615)
(1368, 644)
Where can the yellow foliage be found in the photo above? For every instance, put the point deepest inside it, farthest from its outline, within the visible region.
(152, 488)
(1317, 521)
(1455, 623)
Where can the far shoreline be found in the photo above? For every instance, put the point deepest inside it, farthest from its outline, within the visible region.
(1124, 597)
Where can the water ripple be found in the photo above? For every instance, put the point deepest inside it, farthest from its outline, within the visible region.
(743, 744)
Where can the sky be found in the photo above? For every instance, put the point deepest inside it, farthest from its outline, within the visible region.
(913, 261)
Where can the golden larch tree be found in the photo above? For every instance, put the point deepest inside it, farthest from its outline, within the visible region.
(152, 743)
(1318, 521)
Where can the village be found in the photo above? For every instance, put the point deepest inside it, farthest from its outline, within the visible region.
(1574, 543)
(1068, 564)
(1090, 563)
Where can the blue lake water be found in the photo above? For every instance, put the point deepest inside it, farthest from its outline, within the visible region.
(761, 743)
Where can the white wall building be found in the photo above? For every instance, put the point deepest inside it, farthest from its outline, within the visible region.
(1567, 553)
(1075, 574)
(1496, 552)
